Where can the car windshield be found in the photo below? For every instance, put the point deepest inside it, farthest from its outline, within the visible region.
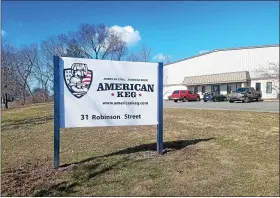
(175, 92)
(240, 90)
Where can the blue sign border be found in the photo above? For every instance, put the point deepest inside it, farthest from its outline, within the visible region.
(57, 100)
(160, 109)
(59, 111)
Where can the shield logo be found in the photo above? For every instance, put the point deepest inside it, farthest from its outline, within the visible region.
(78, 79)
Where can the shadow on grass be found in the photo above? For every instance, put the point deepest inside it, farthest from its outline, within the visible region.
(16, 124)
(97, 166)
(57, 190)
(80, 175)
(168, 147)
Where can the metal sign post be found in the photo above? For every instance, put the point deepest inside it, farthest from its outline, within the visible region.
(56, 110)
(160, 109)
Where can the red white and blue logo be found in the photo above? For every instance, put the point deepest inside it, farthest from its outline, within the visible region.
(78, 79)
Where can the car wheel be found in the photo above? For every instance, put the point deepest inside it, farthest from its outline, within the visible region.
(175, 100)
(246, 100)
(198, 99)
(231, 101)
(259, 99)
(184, 99)
(205, 100)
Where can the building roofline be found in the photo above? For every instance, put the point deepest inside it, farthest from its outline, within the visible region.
(225, 49)
(218, 74)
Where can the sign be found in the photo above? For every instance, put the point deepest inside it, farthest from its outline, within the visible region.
(108, 93)
(95, 93)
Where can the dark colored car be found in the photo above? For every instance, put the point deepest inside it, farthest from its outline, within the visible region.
(215, 97)
(245, 94)
(184, 95)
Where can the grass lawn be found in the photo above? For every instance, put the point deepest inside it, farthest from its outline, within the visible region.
(209, 153)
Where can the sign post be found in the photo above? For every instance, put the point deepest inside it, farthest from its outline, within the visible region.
(98, 93)
(56, 110)
(160, 109)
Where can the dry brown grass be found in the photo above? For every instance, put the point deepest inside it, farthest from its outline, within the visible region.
(209, 153)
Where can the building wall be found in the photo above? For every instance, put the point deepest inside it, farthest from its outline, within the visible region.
(222, 62)
(275, 88)
(223, 89)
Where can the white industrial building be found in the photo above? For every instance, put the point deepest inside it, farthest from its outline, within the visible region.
(224, 70)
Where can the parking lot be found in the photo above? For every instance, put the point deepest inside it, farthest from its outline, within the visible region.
(265, 106)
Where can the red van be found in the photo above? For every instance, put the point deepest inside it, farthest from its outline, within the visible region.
(184, 95)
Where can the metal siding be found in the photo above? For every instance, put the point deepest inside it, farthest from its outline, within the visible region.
(223, 62)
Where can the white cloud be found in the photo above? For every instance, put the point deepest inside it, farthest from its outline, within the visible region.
(162, 58)
(203, 51)
(129, 34)
(3, 33)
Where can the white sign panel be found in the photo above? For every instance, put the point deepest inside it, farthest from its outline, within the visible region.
(107, 93)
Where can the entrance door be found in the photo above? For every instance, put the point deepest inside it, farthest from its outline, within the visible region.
(216, 88)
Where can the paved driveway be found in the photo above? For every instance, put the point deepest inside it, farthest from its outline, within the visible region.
(238, 106)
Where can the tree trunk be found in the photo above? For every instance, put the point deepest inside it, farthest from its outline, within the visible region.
(6, 101)
(46, 91)
(24, 94)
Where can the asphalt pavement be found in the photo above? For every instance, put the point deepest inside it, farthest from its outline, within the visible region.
(263, 106)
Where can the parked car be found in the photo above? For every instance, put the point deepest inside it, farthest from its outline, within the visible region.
(215, 97)
(245, 94)
(184, 95)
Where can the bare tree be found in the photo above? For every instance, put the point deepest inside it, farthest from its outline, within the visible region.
(8, 84)
(101, 42)
(41, 74)
(50, 47)
(119, 51)
(89, 41)
(26, 60)
(272, 73)
(40, 94)
(144, 55)
(133, 57)
(73, 45)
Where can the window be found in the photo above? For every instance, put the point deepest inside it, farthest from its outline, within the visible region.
(195, 89)
(229, 88)
(215, 88)
(203, 89)
(175, 92)
(258, 86)
(269, 87)
(241, 90)
(190, 92)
